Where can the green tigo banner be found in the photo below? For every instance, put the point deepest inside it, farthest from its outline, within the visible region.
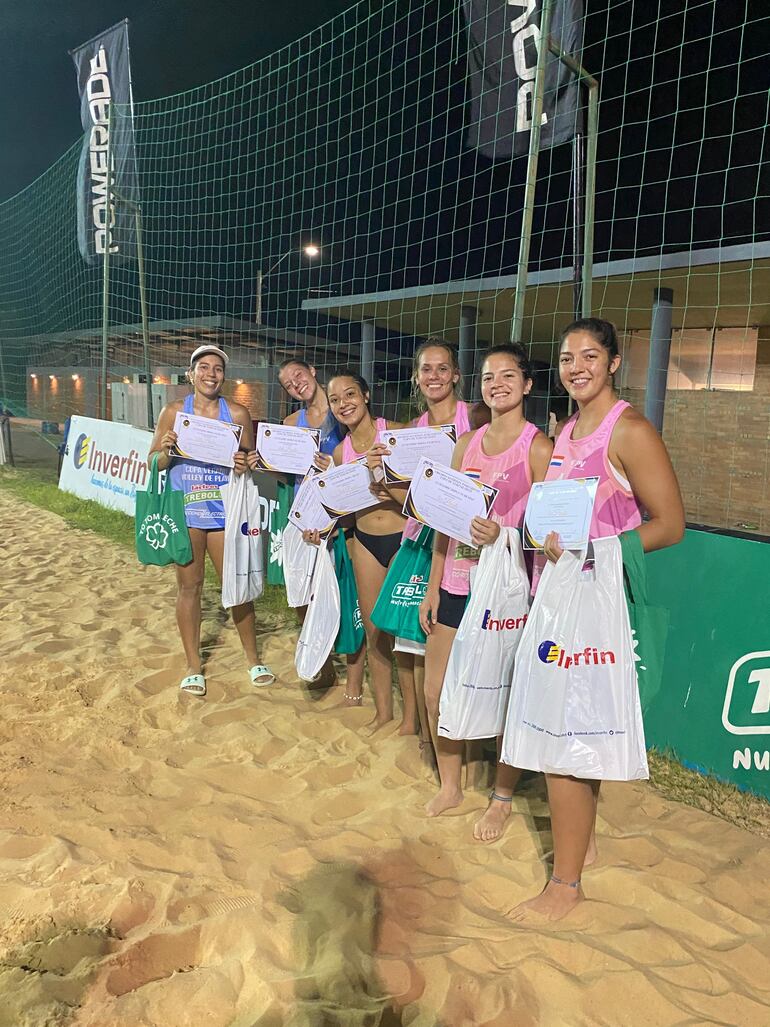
(713, 707)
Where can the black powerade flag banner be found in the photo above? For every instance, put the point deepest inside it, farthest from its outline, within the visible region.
(503, 44)
(104, 78)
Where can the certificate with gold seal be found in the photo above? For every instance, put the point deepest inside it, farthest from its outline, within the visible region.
(206, 439)
(448, 500)
(286, 447)
(563, 506)
(409, 445)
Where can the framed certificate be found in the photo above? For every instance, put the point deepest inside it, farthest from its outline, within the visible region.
(307, 512)
(346, 489)
(564, 506)
(205, 439)
(448, 500)
(285, 447)
(409, 445)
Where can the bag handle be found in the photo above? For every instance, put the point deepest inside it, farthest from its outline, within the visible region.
(634, 567)
(152, 488)
(425, 538)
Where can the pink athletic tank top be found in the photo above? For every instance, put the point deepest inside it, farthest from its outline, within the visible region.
(348, 453)
(462, 424)
(616, 508)
(509, 472)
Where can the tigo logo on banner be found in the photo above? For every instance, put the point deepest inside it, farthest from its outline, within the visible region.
(746, 709)
(552, 652)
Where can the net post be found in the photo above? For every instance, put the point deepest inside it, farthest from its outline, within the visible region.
(106, 270)
(145, 314)
(592, 136)
(517, 320)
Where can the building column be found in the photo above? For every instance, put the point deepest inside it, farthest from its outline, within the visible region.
(466, 353)
(660, 351)
(367, 352)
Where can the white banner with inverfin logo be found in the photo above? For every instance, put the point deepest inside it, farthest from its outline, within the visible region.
(105, 461)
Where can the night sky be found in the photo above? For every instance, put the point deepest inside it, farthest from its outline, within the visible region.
(175, 45)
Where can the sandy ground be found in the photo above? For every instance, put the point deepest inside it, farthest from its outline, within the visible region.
(255, 858)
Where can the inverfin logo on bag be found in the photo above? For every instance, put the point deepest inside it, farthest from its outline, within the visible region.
(490, 623)
(552, 652)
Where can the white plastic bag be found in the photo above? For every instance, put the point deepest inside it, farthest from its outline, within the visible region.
(477, 683)
(243, 564)
(575, 700)
(322, 621)
(299, 560)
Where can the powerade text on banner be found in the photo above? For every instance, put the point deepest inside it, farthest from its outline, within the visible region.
(503, 44)
(104, 82)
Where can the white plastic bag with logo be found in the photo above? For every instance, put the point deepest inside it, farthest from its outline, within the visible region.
(322, 621)
(477, 683)
(574, 706)
(299, 560)
(243, 563)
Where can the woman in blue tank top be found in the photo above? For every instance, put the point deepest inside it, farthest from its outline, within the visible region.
(204, 511)
(298, 379)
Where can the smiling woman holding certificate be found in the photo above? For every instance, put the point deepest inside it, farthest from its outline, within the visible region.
(200, 481)
(607, 439)
(437, 393)
(509, 453)
(377, 536)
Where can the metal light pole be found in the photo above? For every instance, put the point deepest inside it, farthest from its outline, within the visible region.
(311, 250)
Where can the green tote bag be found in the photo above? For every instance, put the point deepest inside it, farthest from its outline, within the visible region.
(649, 624)
(397, 610)
(350, 637)
(161, 530)
(279, 518)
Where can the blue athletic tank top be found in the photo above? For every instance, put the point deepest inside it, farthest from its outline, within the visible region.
(331, 433)
(203, 507)
(331, 436)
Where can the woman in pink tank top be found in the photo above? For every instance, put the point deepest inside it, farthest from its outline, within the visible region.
(607, 438)
(437, 390)
(509, 453)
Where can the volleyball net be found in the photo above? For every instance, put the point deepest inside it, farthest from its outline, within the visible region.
(357, 140)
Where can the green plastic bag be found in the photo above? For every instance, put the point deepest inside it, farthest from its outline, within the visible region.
(351, 635)
(279, 518)
(648, 623)
(161, 530)
(397, 610)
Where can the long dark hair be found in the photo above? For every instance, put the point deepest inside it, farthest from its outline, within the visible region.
(603, 332)
(347, 372)
(519, 354)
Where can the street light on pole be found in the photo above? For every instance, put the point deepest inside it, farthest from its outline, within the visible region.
(310, 250)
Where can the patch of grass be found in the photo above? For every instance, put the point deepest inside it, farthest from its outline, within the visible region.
(676, 782)
(37, 488)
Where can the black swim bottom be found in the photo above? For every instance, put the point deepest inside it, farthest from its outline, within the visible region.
(450, 608)
(382, 547)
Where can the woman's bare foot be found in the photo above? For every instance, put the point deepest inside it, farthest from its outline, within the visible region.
(554, 902)
(379, 723)
(491, 825)
(408, 727)
(352, 699)
(442, 802)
